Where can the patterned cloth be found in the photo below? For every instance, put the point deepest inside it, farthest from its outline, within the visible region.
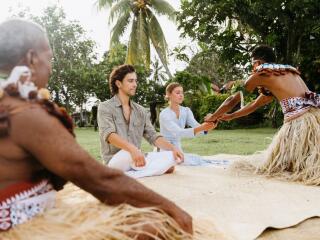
(277, 69)
(22, 201)
(295, 106)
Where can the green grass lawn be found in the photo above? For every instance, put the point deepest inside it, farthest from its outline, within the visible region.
(240, 141)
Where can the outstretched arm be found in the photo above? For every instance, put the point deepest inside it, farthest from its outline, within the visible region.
(58, 151)
(225, 107)
(249, 108)
(162, 143)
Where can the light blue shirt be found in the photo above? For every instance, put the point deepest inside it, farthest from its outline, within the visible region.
(173, 128)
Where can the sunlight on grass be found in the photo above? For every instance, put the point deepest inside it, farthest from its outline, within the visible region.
(239, 141)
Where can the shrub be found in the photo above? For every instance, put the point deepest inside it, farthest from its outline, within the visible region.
(208, 104)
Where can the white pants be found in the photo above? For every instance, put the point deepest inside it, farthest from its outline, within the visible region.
(157, 163)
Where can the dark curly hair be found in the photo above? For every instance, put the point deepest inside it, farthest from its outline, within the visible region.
(263, 52)
(119, 73)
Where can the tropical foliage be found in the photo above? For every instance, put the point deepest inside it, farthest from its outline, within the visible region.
(145, 28)
(73, 57)
(234, 27)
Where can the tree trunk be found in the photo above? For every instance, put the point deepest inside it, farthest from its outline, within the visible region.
(81, 124)
(297, 58)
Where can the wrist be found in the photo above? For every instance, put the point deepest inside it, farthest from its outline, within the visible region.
(198, 129)
(168, 207)
(232, 116)
(172, 148)
(132, 148)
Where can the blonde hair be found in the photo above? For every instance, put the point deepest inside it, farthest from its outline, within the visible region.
(170, 88)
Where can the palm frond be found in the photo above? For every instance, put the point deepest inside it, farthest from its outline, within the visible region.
(158, 40)
(120, 27)
(162, 7)
(156, 35)
(133, 45)
(118, 8)
(144, 41)
(104, 3)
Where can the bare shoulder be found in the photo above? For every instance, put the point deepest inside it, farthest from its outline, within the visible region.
(32, 115)
(255, 80)
(34, 123)
(45, 138)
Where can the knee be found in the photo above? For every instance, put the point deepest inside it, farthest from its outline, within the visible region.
(121, 161)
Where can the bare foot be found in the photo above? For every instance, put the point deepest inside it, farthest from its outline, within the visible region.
(170, 170)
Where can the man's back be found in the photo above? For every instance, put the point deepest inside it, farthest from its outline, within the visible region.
(282, 86)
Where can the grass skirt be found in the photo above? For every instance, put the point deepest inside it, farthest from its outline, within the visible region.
(294, 153)
(80, 216)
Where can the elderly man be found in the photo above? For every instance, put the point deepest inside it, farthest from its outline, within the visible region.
(37, 152)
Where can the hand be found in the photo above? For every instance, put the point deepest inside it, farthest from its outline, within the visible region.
(138, 158)
(178, 155)
(210, 117)
(206, 126)
(226, 117)
(182, 218)
(123, 189)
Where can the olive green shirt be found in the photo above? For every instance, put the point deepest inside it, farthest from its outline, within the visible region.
(111, 120)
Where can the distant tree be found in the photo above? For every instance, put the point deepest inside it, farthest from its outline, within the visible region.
(234, 27)
(149, 89)
(102, 70)
(193, 84)
(145, 28)
(158, 75)
(73, 56)
(208, 62)
(180, 54)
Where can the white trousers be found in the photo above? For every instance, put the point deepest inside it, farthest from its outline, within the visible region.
(157, 163)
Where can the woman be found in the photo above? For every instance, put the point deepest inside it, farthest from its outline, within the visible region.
(175, 119)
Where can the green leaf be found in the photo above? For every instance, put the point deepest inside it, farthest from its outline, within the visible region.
(158, 40)
(118, 9)
(120, 27)
(104, 3)
(144, 41)
(133, 45)
(162, 7)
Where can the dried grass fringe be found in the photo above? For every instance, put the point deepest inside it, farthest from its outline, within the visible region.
(79, 216)
(294, 153)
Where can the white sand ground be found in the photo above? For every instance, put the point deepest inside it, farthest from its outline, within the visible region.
(224, 206)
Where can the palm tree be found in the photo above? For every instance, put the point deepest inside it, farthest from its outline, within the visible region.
(158, 75)
(145, 28)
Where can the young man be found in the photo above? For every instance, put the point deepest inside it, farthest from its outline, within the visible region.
(295, 151)
(123, 123)
(37, 152)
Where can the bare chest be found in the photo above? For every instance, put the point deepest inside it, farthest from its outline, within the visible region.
(15, 164)
(10, 150)
(126, 113)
